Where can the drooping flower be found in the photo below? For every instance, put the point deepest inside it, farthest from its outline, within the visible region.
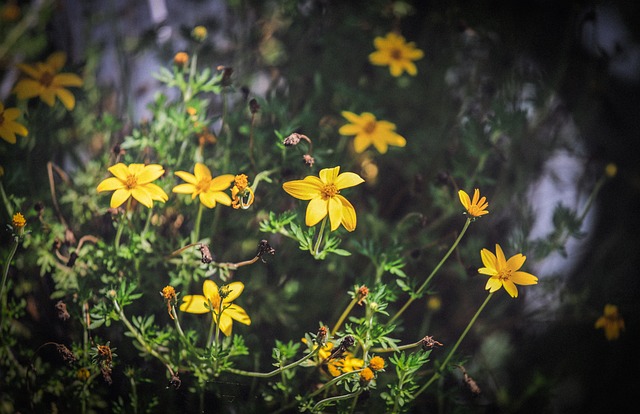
(611, 321)
(394, 51)
(369, 131)
(8, 125)
(476, 207)
(504, 272)
(134, 180)
(324, 197)
(241, 194)
(45, 81)
(218, 301)
(201, 183)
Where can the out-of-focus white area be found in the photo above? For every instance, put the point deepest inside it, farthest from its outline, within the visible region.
(604, 35)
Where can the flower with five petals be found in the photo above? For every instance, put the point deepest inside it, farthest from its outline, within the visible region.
(324, 197)
(45, 81)
(201, 183)
(369, 131)
(134, 180)
(505, 273)
(611, 322)
(218, 301)
(394, 51)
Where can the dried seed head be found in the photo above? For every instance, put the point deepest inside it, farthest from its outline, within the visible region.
(363, 292)
(61, 307)
(66, 354)
(429, 343)
(254, 106)
(292, 140)
(206, 254)
(308, 159)
(264, 248)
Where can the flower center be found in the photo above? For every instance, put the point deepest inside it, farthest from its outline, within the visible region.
(396, 54)
(46, 79)
(504, 274)
(328, 191)
(203, 185)
(131, 182)
(370, 127)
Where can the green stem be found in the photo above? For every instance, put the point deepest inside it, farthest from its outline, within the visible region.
(435, 270)
(5, 200)
(399, 348)
(138, 336)
(275, 371)
(316, 247)
(5, 273)
(333, 381)
(344, 315)
(121, 224)
(176, 321)
(329, 400)
(438, 372)
(195, 235)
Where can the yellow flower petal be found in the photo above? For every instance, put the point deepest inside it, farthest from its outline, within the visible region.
(235, 289)
(334, 206)
(316, 211)
(120, 171)
(142, 195)
(304, 189)
(210, 290)
(68, 79)
(149, 173)
(66, 97)
(348, 179)
(188, 177)
(119, 197)
(329, 175)
(110, 184)
(194, 304)
(226, 324)
(221, 182)
(348, 214)
(238, 314)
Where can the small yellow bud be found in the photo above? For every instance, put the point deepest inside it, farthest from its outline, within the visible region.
(181, 59)
(199, 33)
(611, 170)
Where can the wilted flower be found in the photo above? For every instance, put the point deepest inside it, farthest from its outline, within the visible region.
(241, 194)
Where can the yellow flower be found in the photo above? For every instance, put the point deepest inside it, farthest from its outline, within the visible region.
(199, 33)
(241, 193)
(325, 198)
(476, 207)
(225, 311)
(181, 59)
(395, 52)
(18, 221)
(611, 321)
(45, 81)
(134, 180)
(369, 131)
(210, 190)
(349, 363)
(8, 125)
(505, 272)
(376, 363)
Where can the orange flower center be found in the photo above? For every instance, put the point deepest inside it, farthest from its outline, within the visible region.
(328, 191)
(203, 185)
(396, 54)
(369, 127)
(131, 182)
(504, 274)
(46, 79)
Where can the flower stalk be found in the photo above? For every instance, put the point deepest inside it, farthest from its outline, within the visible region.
(433, 272)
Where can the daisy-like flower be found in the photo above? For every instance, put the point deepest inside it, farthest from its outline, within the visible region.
(505, 272)
(8, 125)
(324, 197)
(45, 81)
(134, 180)
(476, 207)
(201, 183)
(369, 131)
(218, 301)
(394, 51)
(611, 321)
